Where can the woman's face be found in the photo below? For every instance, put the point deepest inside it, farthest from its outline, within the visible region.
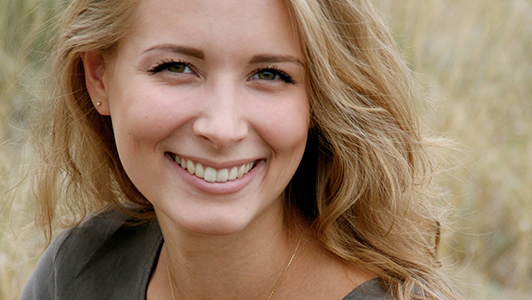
(210, 110)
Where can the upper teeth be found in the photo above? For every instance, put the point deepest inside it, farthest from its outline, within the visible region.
(212, 175)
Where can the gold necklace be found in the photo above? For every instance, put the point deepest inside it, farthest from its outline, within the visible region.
(271, 293)
(168, 271)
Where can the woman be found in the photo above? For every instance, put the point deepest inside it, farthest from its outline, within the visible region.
(235, 150)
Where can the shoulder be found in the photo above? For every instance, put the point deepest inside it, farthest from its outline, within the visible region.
(370, 290)
(101, 231)
(103, 243)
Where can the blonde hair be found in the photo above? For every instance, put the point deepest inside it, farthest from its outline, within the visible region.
(81, 170)
(363, 184)
(372, 183)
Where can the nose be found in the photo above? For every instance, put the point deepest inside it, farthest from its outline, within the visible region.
(222, 121)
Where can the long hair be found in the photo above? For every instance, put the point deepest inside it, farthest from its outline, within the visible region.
(80, 170)
(372, 199)
(363, 184)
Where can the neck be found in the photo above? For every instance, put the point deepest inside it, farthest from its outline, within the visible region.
(244, 265)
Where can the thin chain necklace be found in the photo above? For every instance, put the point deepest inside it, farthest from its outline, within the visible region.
(271, 293)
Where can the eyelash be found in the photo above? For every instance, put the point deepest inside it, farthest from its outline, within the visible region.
(165, 64)
(274, 69)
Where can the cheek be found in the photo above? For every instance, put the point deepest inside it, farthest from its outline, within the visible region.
(141, 114)
(137, 128)
(286, 133)
(285, 126)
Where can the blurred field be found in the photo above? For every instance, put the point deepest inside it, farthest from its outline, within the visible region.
(475, 60)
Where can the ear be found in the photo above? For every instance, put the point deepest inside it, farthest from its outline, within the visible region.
(95, 67)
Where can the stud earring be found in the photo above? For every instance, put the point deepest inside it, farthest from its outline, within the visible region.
(98, 103)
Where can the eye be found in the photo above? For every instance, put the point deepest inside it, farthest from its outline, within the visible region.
(266, 75)
(178, 68)
(272, 74)
(173, 67)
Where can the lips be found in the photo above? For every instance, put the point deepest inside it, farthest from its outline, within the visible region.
(211, 174)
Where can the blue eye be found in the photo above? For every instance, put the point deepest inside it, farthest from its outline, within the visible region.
(172, 66)
(272, 74)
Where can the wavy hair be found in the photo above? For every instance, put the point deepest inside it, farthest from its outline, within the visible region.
(81, 170)
(372, 201)
(363, 185)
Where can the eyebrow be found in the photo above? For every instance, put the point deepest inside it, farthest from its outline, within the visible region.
(179, 49)
(261, 58)
(266, 58)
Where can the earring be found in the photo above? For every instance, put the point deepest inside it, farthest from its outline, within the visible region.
(98, 103)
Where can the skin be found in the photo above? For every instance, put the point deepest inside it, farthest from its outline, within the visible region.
(221, 83)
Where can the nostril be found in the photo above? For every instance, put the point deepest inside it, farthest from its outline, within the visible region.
(221, 132)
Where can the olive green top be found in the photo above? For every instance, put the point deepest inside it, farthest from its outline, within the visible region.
(106, 258)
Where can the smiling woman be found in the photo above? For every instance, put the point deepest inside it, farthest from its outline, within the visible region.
(213, 95)
(234, 150)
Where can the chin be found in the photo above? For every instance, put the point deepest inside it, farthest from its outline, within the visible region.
(224, 217)
(215, 225)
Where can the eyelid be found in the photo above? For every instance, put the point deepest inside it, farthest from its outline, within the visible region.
(165, 63)
(284, 76)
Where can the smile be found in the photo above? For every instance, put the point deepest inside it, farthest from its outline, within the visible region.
(210, 174)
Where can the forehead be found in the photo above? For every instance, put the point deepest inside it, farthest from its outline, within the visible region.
(221, 25)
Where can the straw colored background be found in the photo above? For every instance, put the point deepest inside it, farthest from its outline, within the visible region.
(474, 58)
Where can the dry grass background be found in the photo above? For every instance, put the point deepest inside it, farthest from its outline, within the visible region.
(475, 60)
